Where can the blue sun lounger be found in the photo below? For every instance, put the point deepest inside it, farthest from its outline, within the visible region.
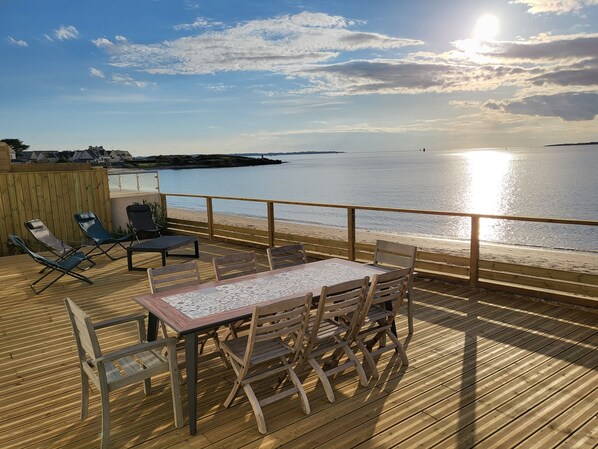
(97, 235)
(64, 266)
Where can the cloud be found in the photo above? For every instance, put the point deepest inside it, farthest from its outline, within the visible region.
(199, 22)
(126, 80)
(102, 42)
(337, 129)
(567, 106)
(545, 47)
(465, 103)
(119, 79)
(96, 73)
(409, 77)
(556, 6)
(550, 74)
(19, 43)
(65, 33)
(282, 45)
(580, 77)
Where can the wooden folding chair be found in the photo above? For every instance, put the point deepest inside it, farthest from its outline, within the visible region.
(332, 330)
(231, 266)
(286, 256)
(398, 255)
(271, 349)
(234, 265)
(176, 276)
(383, 301)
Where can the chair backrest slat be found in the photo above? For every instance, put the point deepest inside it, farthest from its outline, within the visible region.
(234, 265)
(173, 276)
(286, 256)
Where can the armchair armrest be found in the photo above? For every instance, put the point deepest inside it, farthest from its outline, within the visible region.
(120, 320)
(140, 347)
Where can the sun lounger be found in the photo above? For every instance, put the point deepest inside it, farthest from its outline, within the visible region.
(64, 266)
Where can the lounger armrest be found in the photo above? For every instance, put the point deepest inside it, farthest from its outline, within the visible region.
(140, 347)
(120, 320)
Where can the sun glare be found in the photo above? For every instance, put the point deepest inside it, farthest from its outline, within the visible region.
(488, 192)
(486, 28)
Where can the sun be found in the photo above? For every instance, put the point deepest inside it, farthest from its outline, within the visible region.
(486, 28)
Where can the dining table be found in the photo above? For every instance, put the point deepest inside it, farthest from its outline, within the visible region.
(193, 310)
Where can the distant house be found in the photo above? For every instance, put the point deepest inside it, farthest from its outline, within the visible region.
(13, 153)
(39, 156)
(95, 155)
(83, 156)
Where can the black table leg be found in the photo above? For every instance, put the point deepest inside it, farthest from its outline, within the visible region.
(152, 327)
(164, 253)
(196, 243)
(130, 259)
(191, 366)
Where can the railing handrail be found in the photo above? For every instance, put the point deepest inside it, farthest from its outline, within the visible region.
(130, 172)
(394, 209)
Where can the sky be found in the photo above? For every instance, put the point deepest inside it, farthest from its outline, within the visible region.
(220, 76)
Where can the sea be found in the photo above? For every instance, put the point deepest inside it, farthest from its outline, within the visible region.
(546, 182)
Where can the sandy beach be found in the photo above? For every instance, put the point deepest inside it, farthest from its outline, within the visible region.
(585, 262)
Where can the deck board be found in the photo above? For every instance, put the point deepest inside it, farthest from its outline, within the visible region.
(486, 370)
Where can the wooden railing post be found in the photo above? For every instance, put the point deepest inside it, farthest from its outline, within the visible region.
(351, 232)
(163, 204)
(210, 213)
(474, 251)
(270, 205)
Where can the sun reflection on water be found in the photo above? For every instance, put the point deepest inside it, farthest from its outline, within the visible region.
(488, 190)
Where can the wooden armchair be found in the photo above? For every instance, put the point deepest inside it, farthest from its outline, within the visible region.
(121, 367)
(286, 256)
(398, 255)
(266, 352)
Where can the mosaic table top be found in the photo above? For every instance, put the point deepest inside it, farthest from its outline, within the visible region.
(220, 298)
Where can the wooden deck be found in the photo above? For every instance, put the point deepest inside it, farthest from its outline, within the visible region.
(487, 370)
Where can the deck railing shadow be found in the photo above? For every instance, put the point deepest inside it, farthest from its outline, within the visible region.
(500, 324)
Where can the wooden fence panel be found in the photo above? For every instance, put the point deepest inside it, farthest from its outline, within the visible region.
(53, 197)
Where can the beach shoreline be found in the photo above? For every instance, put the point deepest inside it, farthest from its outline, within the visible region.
(566, 260)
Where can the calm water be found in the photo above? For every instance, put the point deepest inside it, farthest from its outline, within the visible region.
(556, 182)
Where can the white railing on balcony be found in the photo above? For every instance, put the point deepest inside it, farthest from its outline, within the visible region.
(134, 181)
